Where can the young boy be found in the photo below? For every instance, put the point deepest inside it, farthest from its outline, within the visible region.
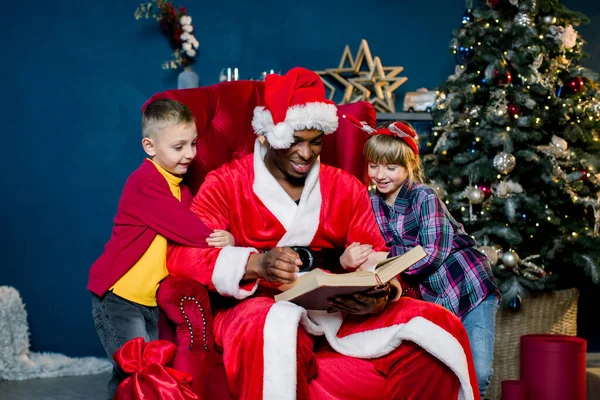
(153, 209)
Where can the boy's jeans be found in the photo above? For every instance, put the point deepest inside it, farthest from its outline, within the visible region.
(117, 321)
(480, 324)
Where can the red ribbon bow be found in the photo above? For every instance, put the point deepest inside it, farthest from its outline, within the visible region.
(149, 378)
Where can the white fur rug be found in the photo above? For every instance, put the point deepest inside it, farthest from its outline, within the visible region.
(17, 363)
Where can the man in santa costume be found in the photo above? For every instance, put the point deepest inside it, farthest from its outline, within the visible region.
(379, 347)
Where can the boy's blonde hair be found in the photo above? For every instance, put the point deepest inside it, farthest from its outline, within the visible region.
(164, 113)
(383, 149)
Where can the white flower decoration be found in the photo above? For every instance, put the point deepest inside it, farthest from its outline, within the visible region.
(191, 52)
(187, 46)
(567, 36)
(195, 43)
(187, 28)
(185, 36)
(185, 20)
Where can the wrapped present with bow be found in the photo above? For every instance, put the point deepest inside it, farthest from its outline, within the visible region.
(149, 377)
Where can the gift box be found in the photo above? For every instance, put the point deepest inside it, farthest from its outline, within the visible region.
(553, 367)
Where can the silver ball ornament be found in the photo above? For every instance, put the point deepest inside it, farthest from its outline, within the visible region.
(510, 259)
(491, 253)
(549, 19)
(504, 162)
(457, 181)
(523, 19)
(475, 196)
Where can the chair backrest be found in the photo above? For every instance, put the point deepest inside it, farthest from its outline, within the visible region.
(224, 113)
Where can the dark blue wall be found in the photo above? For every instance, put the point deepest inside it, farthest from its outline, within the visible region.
(75, 74)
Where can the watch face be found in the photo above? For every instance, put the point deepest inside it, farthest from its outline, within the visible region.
(306, 257)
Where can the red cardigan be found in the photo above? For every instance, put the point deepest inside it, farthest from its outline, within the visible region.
(146, 208)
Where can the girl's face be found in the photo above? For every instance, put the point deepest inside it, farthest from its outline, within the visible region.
(387, 178)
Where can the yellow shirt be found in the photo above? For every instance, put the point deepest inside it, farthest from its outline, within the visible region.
(140, 283)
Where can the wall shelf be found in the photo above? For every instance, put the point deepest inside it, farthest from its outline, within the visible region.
(406, 116)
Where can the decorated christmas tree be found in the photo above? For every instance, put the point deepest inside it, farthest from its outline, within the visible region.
(515, 150)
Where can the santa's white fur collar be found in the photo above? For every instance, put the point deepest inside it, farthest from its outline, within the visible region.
(301, 221)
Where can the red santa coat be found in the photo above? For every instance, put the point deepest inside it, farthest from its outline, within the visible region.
(334, 211)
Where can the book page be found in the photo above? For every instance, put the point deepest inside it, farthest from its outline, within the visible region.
(388, 269)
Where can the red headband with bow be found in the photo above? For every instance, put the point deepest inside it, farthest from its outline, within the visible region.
(395, 129)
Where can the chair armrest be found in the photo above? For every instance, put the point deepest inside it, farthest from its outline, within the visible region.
(186, 304)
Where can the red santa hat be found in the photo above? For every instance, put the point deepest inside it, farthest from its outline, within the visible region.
(293, 102)
(399, 130)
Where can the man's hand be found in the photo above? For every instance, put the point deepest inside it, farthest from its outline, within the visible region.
(355, 255)
(370, 302)
(277, 265)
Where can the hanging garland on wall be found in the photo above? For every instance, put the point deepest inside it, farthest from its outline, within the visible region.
(176, 24)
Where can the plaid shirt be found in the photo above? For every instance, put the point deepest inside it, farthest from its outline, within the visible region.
(453, 274)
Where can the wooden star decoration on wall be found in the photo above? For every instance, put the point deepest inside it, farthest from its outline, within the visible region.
(363, 77)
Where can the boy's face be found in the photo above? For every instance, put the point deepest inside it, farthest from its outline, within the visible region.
(388, 178)
(174, 148)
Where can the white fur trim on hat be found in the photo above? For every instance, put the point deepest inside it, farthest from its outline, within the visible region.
(320, 116)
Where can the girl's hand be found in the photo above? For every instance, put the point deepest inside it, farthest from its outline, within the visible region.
(220, 238)
(355, 255)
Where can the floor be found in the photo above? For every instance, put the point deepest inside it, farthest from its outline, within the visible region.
(92, 388)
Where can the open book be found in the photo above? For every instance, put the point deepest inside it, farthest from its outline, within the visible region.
(312, 289)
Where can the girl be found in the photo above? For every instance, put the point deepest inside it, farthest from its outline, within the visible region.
(409, 213)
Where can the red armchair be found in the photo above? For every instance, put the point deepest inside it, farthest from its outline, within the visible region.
(223, 115)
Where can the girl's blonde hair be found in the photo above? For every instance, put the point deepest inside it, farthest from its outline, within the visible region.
(383, 149)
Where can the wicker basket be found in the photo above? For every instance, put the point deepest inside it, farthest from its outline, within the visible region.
(552, 312)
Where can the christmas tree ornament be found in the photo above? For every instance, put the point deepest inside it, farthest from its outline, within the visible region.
(574, 85)
(515, 303)
(486, 189)
(457, 181)
(559, 142)
(491, 254)
(513, 110)
(474, 195)
(523, 19)
(494, 3)
(438, 189)
(549, 19)
(510, 259)
(502, 79)
(504, 162)
(464, 54)
(467, 17)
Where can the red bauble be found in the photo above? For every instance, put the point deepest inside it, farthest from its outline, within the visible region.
(513, 110)
(504, 79)
(486, 189)
(574, 85)
(494, 3)
(585, 175)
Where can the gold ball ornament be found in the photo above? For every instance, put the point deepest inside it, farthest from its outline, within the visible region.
(475, 196)
(457, 181)
(491, 253)
(504, 162)
(510, 259)
(559, 142)
(438, 189)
